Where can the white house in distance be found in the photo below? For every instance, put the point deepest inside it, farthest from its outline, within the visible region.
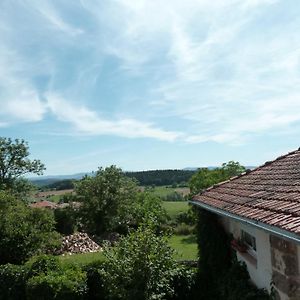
(261, 208)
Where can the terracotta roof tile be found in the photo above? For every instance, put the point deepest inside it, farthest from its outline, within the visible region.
(269, 194)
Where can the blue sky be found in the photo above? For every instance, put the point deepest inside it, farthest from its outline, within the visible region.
(150, 84)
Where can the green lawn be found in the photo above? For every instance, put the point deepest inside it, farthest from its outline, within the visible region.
(185, 246)
(82, 259)
(174, 208)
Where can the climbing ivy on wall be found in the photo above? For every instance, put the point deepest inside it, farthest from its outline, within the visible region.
(220, 275)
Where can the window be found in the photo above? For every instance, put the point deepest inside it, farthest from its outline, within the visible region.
(249, 240)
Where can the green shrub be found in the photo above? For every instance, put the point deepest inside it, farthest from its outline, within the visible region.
(68, 284)
(237, 285)
(184, 229)
(12, 282)
(43, 264)
(183, 284)
(24, 231)
(66, 219)
(189, 217)
(96, 288)
(141, 267)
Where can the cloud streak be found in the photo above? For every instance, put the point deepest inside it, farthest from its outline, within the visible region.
(87, 122)
(222, 71)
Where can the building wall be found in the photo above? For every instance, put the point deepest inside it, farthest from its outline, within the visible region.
(275, 261)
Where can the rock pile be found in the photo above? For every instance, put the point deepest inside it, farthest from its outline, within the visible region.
(78, 243)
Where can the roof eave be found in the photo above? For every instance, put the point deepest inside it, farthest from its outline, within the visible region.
(269, 228)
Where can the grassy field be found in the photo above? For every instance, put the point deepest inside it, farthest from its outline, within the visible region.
(174, 208)
(185, 247)
(163, 191)
(82, 259)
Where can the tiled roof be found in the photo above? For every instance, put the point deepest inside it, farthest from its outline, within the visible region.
(269, 194)
(44, 204)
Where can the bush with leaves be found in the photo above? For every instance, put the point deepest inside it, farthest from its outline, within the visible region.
(141, 267)
(24, 231)
(236, 285)
(12, 282)
(66, 220)
(48, 279)
(146, 208)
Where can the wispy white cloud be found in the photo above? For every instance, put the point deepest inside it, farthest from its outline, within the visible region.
(88, 122)
(225, 70)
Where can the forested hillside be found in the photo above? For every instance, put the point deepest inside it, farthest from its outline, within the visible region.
(161, 177)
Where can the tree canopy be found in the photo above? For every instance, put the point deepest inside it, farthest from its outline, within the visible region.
(15, 162)
(205, 178)
(24, 231)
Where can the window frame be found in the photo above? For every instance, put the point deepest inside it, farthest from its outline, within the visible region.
(249, 240)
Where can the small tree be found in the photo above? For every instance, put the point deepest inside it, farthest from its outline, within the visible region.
(141, 267)
(24, 231)
(14, 162)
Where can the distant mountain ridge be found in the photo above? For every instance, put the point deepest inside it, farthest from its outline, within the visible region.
(50, 179)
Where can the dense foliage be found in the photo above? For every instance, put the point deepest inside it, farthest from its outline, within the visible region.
(24, 231)
(65, 220)
(104, 198)
(161, 177)
(14, 162)
(141, 267)
(205, 178)
(113, 202)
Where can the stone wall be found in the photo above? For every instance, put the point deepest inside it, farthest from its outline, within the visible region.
(285, 269)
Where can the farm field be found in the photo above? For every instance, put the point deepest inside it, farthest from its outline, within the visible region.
(53, 196)
(174, 208)
(163, 191)
(185, 246)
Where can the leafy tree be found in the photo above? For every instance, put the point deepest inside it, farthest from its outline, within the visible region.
(147, 207)
(141, 267)
(105, 199)
(205, 178)
(24, 231)
(14, 162)
(232, 168)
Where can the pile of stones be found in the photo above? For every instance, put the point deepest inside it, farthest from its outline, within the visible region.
(78, 243)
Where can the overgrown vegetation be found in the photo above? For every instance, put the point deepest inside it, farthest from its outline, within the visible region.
(24, 231)
(220, 275)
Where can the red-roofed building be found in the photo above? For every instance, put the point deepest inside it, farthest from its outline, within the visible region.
(262, 209)
(44, 204)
